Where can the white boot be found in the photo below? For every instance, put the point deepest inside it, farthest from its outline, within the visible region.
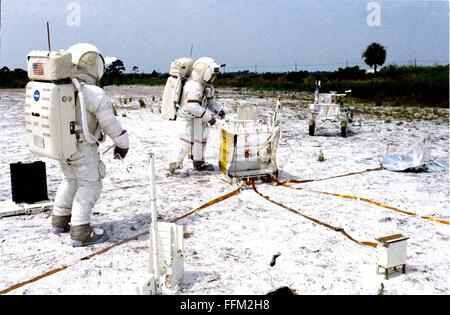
(84, 235)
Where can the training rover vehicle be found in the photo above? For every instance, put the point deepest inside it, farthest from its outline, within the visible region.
(329, 107)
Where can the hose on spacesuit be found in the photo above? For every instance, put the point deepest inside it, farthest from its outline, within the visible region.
(89, 137)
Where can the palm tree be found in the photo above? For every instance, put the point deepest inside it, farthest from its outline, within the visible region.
(116, 68)
(114, 73)
(375, 55)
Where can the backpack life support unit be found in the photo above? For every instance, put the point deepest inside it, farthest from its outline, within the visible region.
(50, 106)
(180, 71)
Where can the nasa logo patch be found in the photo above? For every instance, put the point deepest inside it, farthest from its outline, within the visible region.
(37, 95)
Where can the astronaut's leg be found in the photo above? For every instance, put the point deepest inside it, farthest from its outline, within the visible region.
(197, 148)
(62, 209)
(206, 130)
(183, 144)
(89, 171)
(200, 164)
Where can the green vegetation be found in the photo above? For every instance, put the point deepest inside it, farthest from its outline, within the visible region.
(114, 73)
(17, 78)
(374, 56)
(417, 86)
(391, 86)
(153, 78)
(114, 108)
(403, 112)
(321, 157)
(142, 103)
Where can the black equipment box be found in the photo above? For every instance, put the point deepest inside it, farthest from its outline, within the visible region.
(28, 182)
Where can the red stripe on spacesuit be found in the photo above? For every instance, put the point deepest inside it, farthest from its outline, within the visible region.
(193, 101)
(191, 143)
(184, 140)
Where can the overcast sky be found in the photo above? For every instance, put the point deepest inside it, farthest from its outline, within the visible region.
(274, 34)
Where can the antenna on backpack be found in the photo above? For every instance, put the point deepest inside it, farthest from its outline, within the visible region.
(48, 38)
(192, 49)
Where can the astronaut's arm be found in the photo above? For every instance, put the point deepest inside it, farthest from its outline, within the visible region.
(109, 124)
(194, 108)
(214, 106)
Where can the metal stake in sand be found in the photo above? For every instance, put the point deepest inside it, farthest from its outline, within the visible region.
(154, 255)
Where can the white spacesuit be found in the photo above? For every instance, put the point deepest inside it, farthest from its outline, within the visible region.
(196, 115)
(84, 171)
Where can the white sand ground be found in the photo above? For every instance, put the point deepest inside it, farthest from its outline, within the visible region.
(229, 246)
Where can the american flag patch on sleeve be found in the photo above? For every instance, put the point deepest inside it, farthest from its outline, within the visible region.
(38, 68)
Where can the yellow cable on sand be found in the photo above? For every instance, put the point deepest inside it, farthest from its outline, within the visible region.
(107, 249)
(208, 204)
(379, 204)
(329, 226)
(296, 181)
(376, 203)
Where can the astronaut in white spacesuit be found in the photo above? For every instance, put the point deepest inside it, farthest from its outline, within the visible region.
(83, 172)
(197, 113)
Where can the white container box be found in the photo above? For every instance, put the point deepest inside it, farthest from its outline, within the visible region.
(49, 66)
(182, 68)
(392, 252)
(249, 147)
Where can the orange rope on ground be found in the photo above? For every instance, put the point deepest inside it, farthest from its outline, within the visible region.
(296, 181)
(209, 204)
(107, 249)
(376, 203)
(206, 205)
(331, 227)
(21, 284)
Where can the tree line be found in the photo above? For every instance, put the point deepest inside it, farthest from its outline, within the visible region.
(394, 85)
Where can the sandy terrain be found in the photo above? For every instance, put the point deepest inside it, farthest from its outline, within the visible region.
(229, 246)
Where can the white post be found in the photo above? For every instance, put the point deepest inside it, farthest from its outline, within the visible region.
(154, 259)
(275, 118)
